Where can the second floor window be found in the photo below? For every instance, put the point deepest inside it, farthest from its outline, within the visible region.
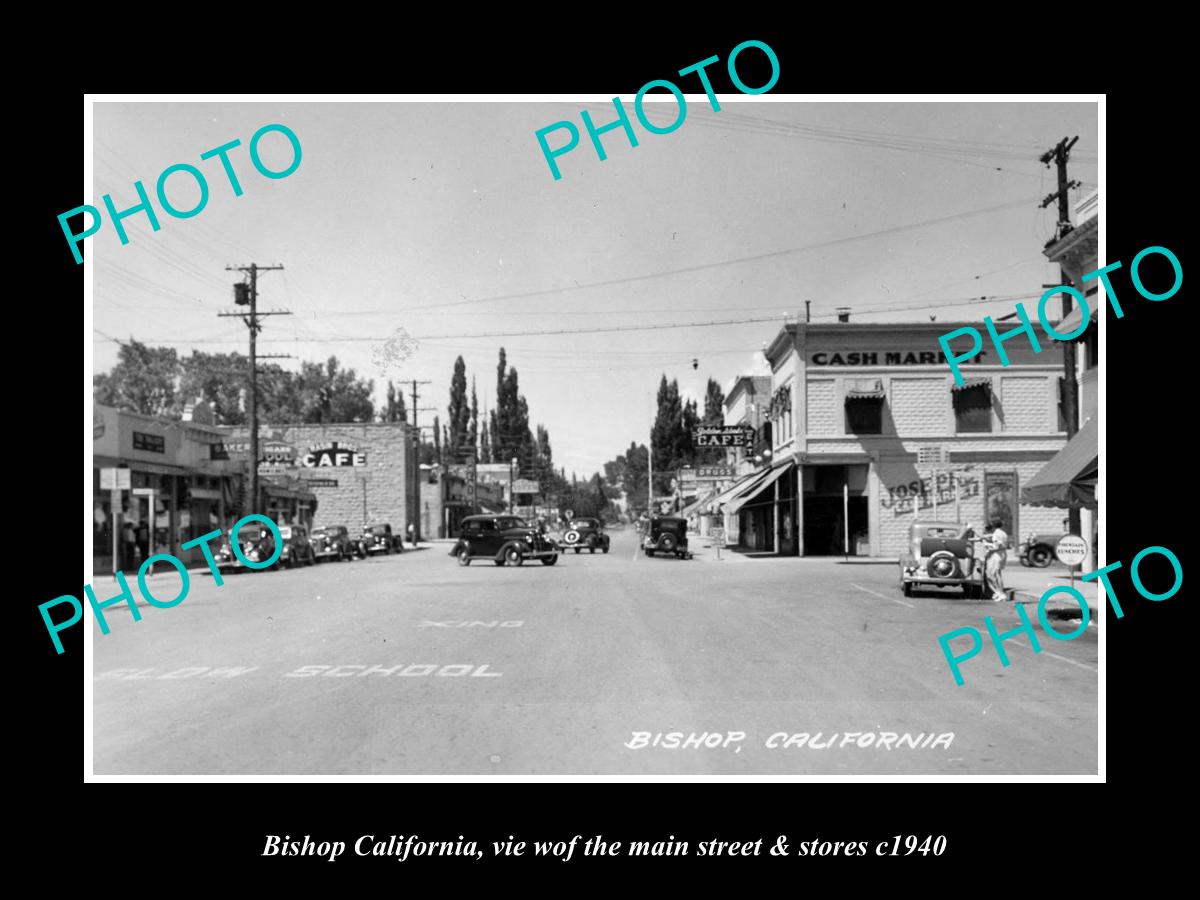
(973, 406)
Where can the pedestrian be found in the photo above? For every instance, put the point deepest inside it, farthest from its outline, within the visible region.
(128, 547)
(143, 539)
(997, 555)
(412, 534)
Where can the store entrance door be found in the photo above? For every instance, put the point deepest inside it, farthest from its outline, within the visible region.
(826, 509)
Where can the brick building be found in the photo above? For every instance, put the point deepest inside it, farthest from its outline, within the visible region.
(359, 473)
(869, 430)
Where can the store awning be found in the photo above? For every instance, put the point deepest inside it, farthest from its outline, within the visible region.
(865, 389)
(971, 384)
(744, 482)
(287, 492)
(694, 507)
(758, 488)
(1071, 322)
(1068, 481)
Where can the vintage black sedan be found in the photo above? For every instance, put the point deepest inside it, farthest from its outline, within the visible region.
(379, 539)
(257, 544)
(297, 548)
(667, 535)
(585, 534)
(332, 542)
(504, 539)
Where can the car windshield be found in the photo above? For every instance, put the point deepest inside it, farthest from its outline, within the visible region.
(512, 522)
(319, 532)
(378, 529)
(582, 523)
(249, 533)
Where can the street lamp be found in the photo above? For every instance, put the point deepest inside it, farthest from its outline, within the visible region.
(512, 465)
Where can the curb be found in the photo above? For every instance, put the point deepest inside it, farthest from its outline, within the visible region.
(1064, 612)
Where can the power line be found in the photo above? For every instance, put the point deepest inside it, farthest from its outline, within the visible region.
(1012, 204)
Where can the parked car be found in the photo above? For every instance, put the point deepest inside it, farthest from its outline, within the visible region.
(504, 539)
(941, 554)
(1038, 549)
(256, 542)
(379, 539)
(332, 542)
(297, 547)
(585, 534)
(667, 534)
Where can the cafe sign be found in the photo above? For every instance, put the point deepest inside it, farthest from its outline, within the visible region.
(723, 436)
(334, 454)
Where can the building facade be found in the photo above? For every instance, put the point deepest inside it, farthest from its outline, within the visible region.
(359, 473)
(177, 489)
(869, 433)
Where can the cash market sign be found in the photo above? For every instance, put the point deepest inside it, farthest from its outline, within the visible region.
(333, 454)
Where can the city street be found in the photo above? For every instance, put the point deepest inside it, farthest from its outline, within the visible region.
(413, 665)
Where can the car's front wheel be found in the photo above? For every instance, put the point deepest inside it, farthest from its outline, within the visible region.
(463, 556)
(549, 560)
(513, 556)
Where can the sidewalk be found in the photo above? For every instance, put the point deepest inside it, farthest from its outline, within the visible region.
(1028, 586)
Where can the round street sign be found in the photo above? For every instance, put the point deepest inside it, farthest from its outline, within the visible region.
(569, 513)
(1071, 549)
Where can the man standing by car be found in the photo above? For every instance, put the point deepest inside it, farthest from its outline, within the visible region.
(997, 555)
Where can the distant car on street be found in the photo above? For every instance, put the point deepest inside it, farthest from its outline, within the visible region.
(297, 547)
(332, 542)
(504, 539)
(586, 533)
(667, 535)
(256, 542)
(941, 554)
(379, 539)
(1038, 549)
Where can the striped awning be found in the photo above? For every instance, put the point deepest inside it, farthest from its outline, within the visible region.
(715, 503)
(865, 389)
(1068, 481)
(970, 384)
(759, 488)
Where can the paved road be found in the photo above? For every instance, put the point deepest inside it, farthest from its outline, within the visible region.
(412, 664)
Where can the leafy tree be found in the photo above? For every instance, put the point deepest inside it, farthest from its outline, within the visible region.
(633, 475)
(329, 393)
(143, 380)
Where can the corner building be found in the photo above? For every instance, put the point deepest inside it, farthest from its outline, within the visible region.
(875, 434)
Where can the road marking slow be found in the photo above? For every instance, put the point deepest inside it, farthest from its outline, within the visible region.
(883, 596)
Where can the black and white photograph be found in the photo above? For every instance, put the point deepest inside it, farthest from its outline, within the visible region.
(673, 435)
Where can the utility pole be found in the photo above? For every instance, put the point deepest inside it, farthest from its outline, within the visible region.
(416, 480)
(1059, 154)
(248, 296)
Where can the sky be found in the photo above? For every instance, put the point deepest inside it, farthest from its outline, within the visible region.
(443, 219)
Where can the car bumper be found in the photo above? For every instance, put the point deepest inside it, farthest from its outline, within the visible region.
(321, 554)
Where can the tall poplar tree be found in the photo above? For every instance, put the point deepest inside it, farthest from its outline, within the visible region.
(458, 422)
